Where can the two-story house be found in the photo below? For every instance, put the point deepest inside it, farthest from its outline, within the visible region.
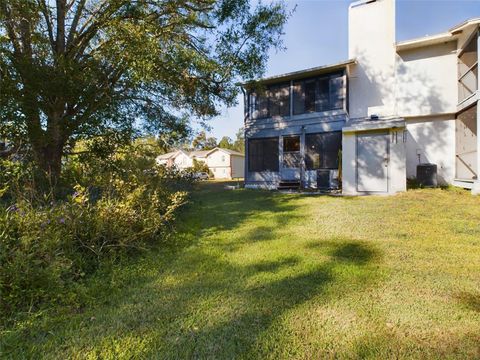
(370, 120)
(223, 163)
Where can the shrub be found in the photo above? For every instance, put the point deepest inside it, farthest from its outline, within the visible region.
(48, 244)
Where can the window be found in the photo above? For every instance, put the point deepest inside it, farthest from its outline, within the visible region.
(223, 158)
(318, 94)
(291, 152)
(279, 100)
(263, 154)
(273, 101)
(322, 93)
(322, 150)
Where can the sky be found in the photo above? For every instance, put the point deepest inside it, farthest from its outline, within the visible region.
(317, 34)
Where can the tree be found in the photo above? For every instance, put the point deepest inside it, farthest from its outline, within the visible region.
(81, 69)
(210, 144)
(201, 142)
(225, 143)
(239, 144)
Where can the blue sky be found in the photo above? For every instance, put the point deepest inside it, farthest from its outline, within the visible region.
(317, 34)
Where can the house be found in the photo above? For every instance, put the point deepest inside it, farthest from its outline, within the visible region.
(370, 120)
(226, 163)
(223, 163)
(179, 158)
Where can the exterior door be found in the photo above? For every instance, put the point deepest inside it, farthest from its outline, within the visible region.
(372, 162)
(290, 166)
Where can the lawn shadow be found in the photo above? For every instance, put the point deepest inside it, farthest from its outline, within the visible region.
(469, 300)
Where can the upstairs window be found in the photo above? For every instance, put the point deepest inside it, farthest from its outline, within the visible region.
(318, 94)
(273, 101)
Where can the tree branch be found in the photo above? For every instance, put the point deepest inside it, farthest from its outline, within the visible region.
(46, 14)
(61, 14)
(76, 19)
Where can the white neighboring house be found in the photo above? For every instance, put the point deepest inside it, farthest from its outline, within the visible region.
(223, 163)
(180, 159)
(376, 116)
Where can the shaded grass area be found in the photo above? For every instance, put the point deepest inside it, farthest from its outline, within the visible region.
(263, 275)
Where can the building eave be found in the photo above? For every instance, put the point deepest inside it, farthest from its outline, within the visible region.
(457, 29)
(300, 74)
(425, 41)
(450, 35)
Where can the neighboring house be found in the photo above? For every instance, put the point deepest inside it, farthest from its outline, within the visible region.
(223, 163)
(226, 164)
(179, 158)
(166, 159)
(374, 117)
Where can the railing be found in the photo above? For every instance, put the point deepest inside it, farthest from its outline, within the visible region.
(468, 83)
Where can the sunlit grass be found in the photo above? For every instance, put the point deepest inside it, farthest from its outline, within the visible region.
(263, 275)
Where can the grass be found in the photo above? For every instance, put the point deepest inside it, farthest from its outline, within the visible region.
(257, 274)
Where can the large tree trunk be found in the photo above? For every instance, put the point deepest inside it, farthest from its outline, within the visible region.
(50, 161)
(48, 150)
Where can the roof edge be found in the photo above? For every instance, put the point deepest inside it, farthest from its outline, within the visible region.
(301, 73)
(437, 38)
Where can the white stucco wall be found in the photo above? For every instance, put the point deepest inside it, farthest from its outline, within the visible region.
(397, 163)
(433, 139)
(427, 80)
(371, 40)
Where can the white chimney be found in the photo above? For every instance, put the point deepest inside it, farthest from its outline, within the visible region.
(371, 40)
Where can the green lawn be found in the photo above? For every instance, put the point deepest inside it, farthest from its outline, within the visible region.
(258, 274)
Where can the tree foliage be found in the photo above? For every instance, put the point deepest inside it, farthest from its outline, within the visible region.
(109, 69)
(202, 142)
(239, 143)
(225, 143)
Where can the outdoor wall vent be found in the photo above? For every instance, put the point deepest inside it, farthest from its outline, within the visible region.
(374, 117)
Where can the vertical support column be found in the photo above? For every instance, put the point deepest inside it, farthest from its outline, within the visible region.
(290, 98)
(302, 158)
(280, 157)
(476, 184)
(246, 113)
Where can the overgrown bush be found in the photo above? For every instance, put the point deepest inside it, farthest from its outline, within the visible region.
(49, 243)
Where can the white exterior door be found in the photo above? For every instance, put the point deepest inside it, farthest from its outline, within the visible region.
(372, 162)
